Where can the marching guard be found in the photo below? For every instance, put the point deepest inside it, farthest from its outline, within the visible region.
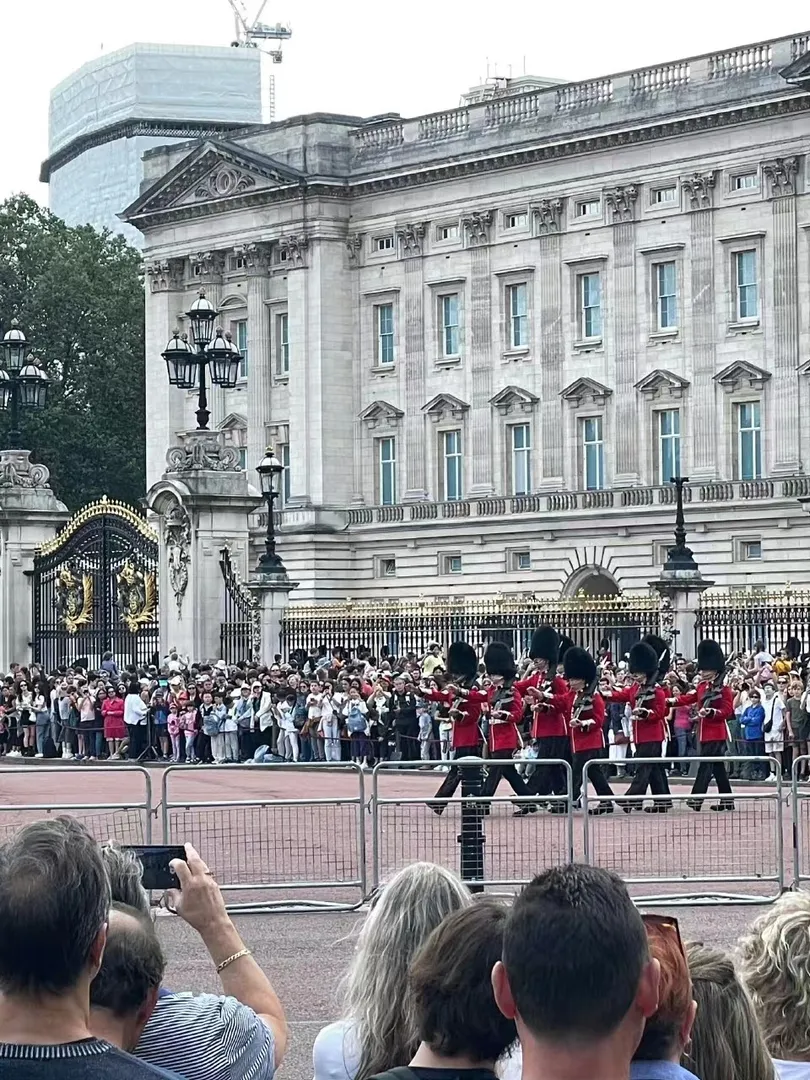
(587, 725)
(648, 660)
(715, 703)
(548, 697)
(465, 701)
(505, 711)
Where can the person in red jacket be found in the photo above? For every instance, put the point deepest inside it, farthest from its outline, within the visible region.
(715, 708)
(505, 711)
(547, 696)
(465, 700)
(649, 704)
(587, 725)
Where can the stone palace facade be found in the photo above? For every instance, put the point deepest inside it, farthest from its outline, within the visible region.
(483, 340)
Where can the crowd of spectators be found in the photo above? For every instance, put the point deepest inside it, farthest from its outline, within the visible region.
(332, 705)
(569, 982)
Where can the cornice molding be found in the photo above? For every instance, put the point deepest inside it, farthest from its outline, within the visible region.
(427, 173)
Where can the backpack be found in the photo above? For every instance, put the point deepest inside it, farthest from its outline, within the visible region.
(355, 722)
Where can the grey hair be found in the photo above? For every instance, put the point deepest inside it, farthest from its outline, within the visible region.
(726, 1040)
(375, 992)
(124, 870)
(775, 966)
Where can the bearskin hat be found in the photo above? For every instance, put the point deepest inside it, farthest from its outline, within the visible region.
(498, 660)
(661, 651)
(545, 645)
(793, 647)
(565, 644)
(643, 659)
(710, 656)
(461, 660)
(579, 664)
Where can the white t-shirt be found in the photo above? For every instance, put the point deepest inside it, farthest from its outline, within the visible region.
(335, 1053)
(792, 1070)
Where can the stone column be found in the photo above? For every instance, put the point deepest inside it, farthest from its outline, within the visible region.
(478, 449)
(320, 388)
(780, 176)
(548, 218)
(411, 238)
(621, 203)
(354, 251)
(165, 406)
(272, 597)
(699, 189)
(30, 515)
(202, 504)
(259, 356)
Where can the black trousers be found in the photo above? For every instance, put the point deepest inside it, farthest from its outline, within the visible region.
(496, 773)
(595, 774)
(709, 769)
(408, 742)
(649, 776)
(551, 779)
(137, 740)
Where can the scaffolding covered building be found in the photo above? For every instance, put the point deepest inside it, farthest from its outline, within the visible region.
(107, 113)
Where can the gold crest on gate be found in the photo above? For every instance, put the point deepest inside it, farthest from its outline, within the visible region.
(137, 596)
(74, 598)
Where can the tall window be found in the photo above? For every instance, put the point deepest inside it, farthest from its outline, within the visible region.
(669, 444)
(593, 453)
(285, 474)
(516, 298)
(590, 288)
(283, 344)
(666, 296)
(385, 333)
(749, 441)
(521, 446)
(449, 315)
(747, 287)
(451, 466)
(387, 475)
(240, 336)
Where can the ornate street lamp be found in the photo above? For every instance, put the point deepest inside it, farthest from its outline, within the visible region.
(270, 470)
(22, 385)
(187, 361)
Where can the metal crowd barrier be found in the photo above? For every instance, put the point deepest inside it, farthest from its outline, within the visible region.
(125, 821)
(800, 805)
(266, 844)
(475, 836)
(682, 848)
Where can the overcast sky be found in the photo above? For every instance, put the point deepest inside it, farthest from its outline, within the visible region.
(360, 57)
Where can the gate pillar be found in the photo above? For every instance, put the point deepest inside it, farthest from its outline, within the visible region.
(202, 503)
(272, 594)
(30, 515)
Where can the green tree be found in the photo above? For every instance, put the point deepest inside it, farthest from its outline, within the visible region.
(78, 295)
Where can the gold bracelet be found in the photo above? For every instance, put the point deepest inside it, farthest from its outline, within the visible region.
(230, 960)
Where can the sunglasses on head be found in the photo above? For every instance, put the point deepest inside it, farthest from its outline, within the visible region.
(667, 924)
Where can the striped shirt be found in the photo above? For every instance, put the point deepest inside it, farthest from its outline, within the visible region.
(208, 1037)
(87, 1059)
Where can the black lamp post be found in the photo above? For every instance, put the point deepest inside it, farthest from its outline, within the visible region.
(680, 556)
(270, 470)
(187, 360)
(22, 385)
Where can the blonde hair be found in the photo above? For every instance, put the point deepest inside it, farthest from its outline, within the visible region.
(375, 991)
(726, 1041)
(775, 965)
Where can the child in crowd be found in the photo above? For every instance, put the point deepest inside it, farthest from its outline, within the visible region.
(160, 719)
(356, 712)
(288, 733)
(425, 720)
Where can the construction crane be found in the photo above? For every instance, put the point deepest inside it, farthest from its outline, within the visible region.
(249, 32)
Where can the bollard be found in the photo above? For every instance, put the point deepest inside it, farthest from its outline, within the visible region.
(472, 837)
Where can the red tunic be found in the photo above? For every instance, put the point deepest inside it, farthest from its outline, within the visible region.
(550, 717)
(714, 727)
(503, 732)
(465, 734)
(651, 728)
(585, 735)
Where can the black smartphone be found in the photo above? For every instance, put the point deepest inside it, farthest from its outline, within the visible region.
(155, 859)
